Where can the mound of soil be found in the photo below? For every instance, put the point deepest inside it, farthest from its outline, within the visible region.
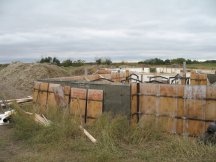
(16, 80)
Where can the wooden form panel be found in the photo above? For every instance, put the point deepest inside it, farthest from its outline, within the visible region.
(78, 101)
(87, 103)
(42, 97)
(189, 107)
(35, 91)
(58, 96)
(198, 79)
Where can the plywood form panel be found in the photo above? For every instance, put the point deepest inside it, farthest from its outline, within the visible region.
(42, 96)
(95, 103)
(210, 110)
(195, 109)
(67, 90)
(180, 111)
(36, 91)
(167, 106)
(51, 101)
(211, 92)
(149, 89)
(168, 90)
(78, 101)
(195, 127)
(167, 123)
(179, 126)
(148, 104)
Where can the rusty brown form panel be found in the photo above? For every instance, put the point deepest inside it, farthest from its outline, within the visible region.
(194, 127)
(147, 119)
(148, 99)
(180, 111)
(179, 126)
(42, 97)
(36, 91)
(67, 90)
(56, 96)
(195, 101)
(211, 92)
(148, 104)
(210, 110)
(133, 103)
(78, 101)
(195, 109)
(198, 79)
(167, 123)
(168, 103)
(180, 108)
(167, 106)
(194, 78)
(168, 90)
(95, 103)
(51, 101)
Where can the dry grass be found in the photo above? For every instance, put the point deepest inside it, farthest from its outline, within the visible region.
(117, 141)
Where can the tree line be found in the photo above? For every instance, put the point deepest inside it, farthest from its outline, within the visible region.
(157, 61)
(79, 62)
(108, 61)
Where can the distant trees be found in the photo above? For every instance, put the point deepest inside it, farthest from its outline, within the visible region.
(65, 63)
(50, 60)
(157, 61)
(103, 60)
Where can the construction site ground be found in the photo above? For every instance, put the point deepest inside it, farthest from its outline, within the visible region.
(116, 142)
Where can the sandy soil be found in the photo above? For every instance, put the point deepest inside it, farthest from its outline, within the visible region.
(16, 80)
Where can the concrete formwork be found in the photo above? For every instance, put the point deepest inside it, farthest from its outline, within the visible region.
(182, 109)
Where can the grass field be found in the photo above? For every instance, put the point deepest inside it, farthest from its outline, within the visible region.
(116, 141)
(211, 66)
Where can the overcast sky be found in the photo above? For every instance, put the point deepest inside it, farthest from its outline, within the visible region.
(124, 30)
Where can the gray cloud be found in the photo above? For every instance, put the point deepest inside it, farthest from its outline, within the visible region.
(120, 29)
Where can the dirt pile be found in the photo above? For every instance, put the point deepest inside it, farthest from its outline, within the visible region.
(16, 80)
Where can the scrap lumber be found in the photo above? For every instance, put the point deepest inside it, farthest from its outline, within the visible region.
(88, 134)
(3, 103)
(40, 119)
